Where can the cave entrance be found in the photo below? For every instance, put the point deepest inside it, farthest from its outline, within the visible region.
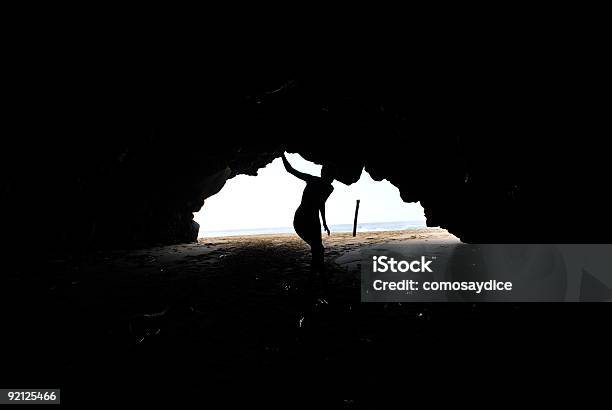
(266, 203)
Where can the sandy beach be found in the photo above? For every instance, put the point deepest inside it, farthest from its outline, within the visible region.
(234, 309)
(337, 243)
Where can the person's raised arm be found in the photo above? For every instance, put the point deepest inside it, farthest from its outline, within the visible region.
(292, 171)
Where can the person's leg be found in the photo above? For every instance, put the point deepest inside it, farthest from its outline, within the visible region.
(309, 229)
(318, 255)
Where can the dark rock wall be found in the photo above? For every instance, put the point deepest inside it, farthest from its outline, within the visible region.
(121, 161)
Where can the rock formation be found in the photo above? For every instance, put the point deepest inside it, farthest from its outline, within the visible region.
(126, 162)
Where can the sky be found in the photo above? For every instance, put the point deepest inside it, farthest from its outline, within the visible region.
(270, 199)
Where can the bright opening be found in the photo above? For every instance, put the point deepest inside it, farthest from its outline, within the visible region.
(266, 204)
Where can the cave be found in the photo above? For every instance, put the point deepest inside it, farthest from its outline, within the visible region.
(120, 165)
(130, 173)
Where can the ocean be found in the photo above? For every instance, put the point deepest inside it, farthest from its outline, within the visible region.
(361, 227)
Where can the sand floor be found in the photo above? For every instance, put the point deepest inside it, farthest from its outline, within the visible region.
(224, 310)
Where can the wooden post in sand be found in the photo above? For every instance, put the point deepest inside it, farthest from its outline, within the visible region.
(355, 221)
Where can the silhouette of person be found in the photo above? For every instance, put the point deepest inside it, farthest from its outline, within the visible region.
(306, 221)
